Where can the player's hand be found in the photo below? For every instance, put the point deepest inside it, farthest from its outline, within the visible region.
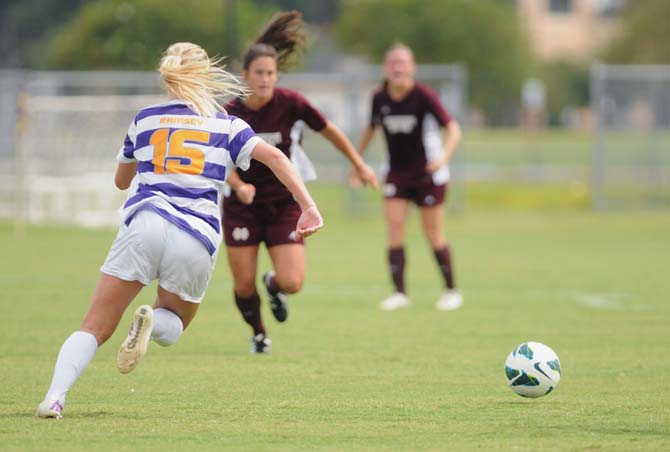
(245, 193)
(434, 165)
(367, 176)
(309, 222)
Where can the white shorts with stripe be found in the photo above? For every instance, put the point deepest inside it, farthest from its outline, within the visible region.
(151, 248)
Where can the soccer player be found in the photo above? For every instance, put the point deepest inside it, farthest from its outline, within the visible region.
(260, 209)
(179, 152)
(401, 106)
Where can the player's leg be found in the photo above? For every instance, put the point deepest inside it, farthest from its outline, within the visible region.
(242, 261)
(395, 213)
(288, 256)
(110, 299)
(289, 263)
(172, 315)
(184, 268)
(243, 232)
(432, 217)
(164, 322)
(128, 267)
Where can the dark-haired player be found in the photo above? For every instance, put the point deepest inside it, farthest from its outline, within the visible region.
(179, 152)
(401, 107)
(260, 209)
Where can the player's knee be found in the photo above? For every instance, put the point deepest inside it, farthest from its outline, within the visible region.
(291, 284)
(245, 289)
(396, 227)
(168, 327)
(438, 240)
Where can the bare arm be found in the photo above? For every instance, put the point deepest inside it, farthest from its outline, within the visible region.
(310, 221)
(452, 137)
(124, 175)
(354, 177)
(365, 139)
(245, 192)
(333, 134)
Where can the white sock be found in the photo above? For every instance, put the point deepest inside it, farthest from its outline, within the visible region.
(74, 356)
(167, 327)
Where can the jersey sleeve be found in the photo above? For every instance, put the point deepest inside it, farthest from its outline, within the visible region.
(308, 113)
(375, 113)
(126, 153)
(434, 106)
(242, 140)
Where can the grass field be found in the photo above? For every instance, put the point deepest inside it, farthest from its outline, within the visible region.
(346, 376)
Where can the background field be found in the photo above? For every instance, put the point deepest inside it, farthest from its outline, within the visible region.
(344, 375)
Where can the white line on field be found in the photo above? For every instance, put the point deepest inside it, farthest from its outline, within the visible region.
(612, 301)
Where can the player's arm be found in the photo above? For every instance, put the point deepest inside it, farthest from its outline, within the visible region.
(310, 220)
(365, 139)
(452, 137)
(245, 192)
(363, 142)
(333, 134)
(125, 173)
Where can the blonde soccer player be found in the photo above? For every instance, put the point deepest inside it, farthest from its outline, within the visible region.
(416, 175)
(180, 153)
(260, 209)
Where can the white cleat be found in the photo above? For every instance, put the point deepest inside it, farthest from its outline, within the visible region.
(135, 346)
(449, 301)
(260, 343)
(50, 409)
(396, 301)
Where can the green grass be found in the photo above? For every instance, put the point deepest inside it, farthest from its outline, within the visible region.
(344, 375)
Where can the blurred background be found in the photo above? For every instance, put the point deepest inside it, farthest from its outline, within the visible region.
(565, 103)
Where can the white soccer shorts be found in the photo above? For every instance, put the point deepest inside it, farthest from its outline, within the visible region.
(153, 248)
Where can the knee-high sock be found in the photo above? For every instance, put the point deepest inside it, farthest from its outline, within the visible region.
(250, 308)
(443, 257)
(167, 327)
(74, 356)
(396, 258)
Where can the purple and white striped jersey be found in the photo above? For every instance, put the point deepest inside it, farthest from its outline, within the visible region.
(181, 165)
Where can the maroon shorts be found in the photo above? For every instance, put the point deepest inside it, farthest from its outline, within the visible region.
(270, 222)
(422, 191)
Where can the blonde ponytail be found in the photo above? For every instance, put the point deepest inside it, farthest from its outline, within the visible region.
(190, 75)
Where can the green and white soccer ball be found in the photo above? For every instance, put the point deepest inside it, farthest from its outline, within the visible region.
(532, 370)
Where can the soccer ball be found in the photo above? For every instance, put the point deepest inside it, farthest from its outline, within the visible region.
(532, 370)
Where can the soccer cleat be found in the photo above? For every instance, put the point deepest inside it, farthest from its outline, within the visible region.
(396, 301)
(449, 301)
(278, 301)
(260, 343)
(135, 346)
(50, 409)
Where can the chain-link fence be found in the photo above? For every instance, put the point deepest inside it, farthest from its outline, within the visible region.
(631, 164)
(61, 131)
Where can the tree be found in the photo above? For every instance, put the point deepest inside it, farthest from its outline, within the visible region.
(316, 12)
(117, 34)
(25, 23)
(485, 35)
(645, 37)
(567, 84)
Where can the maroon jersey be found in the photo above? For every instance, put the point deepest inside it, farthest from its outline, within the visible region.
(273, 122)
(403, 123)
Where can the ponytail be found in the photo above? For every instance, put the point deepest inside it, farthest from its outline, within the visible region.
(281, 38)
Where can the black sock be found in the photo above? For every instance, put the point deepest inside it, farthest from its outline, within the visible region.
(443, 257)
(396, 258)
(250, 308)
